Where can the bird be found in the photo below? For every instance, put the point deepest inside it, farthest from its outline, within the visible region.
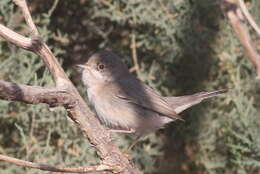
(124, 103)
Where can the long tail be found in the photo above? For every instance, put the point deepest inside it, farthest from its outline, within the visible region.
(183, 102)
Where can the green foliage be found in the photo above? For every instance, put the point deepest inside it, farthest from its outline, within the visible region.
(182, 47)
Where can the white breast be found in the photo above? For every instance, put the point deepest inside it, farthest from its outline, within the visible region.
(90, 92)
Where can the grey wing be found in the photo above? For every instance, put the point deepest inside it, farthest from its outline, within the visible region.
(181, 103)
(146, 97)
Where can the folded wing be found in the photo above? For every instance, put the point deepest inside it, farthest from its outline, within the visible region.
(147, 98)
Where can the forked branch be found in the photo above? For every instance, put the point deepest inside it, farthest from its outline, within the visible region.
(111, 157)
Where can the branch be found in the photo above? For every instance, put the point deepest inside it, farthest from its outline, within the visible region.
(15, 38)
(26, 13)
(236, 19)
(34, 94)
(249, 16)
(95, 168)
(134, 54)
(98, 136)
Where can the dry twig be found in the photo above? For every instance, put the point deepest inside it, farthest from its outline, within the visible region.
(249, 16)
(134, 55)
(27, 16)
(45, 167)
(237, 21)
(35, 94)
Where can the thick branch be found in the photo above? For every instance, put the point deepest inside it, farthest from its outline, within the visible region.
(236, 19)
(96, 168)
(15, 38)
(34, 94)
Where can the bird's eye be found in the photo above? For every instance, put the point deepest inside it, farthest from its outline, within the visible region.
(101, 66)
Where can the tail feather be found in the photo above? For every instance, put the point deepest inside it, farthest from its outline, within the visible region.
(183, 102)
(205, 95)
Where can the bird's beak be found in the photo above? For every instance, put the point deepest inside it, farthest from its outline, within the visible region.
(83, 66)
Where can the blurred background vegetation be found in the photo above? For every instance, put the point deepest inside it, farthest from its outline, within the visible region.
(182, 47)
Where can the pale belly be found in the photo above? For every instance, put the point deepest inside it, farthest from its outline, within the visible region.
(118, 114)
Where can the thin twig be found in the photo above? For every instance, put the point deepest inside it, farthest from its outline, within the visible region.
(236, 19)
(27, 15)
(249, 16)
(45, 167)
(134, 54)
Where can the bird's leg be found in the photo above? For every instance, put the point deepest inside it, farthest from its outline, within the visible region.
(131, 131)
